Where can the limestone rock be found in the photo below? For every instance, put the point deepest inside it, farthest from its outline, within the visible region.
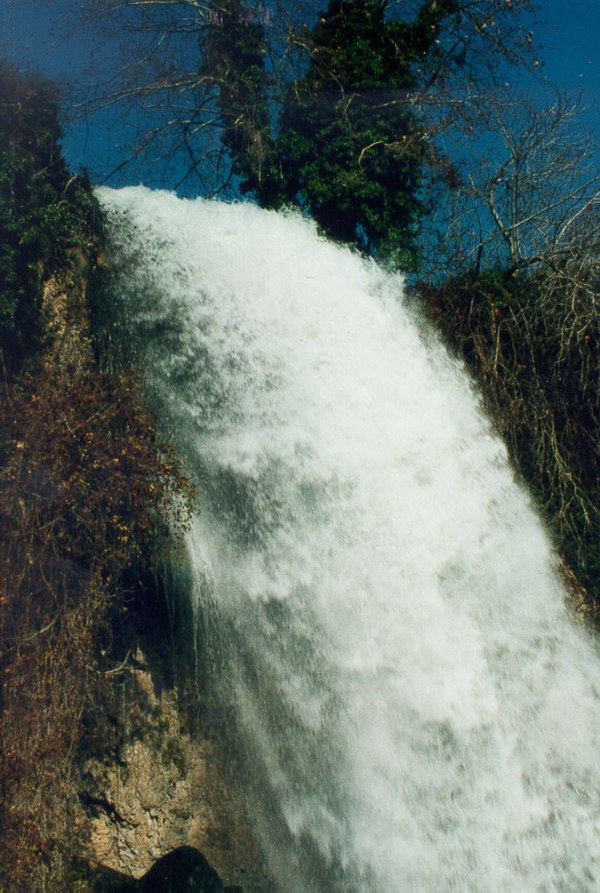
(165, 789)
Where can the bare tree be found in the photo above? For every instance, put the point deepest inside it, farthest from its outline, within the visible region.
(525, 182)
(518, 293)
(158, 82)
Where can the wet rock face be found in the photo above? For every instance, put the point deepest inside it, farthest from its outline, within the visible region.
(163, 790)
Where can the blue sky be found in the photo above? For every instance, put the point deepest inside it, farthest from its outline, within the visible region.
(30, 35)
(572, 50)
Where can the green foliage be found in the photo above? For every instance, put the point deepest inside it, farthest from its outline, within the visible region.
(350, 147)
(43, 210)
(347, 147)
(531, 342)
(234, 56)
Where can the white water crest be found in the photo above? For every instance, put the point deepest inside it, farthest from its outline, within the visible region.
(409, 705)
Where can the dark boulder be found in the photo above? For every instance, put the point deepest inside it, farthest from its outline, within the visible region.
(183, 869)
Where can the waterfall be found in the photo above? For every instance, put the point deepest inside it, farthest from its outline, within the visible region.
(409, 706)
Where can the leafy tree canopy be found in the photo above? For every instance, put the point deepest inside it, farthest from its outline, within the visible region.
(348, 146)
(351, 145)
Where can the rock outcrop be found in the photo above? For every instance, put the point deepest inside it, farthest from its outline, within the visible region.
(164, 787)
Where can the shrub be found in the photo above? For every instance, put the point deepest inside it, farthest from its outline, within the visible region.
(531, 342)
(44, 210)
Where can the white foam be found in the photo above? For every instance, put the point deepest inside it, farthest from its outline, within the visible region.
(414, 709)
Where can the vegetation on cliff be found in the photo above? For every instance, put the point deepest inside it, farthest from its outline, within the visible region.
(89, 497)
(45, 212)
(531, 342)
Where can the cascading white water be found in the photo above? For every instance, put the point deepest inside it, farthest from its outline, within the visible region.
(413, 709)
